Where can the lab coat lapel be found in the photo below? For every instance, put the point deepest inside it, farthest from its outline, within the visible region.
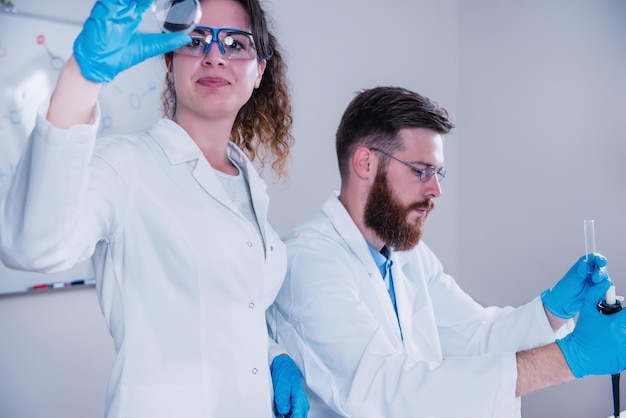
(374, 290)
(415, 310)
(258, 188)
(179, 148)
(405, 293)
(207, 179)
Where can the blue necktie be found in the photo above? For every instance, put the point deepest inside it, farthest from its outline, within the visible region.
(387, 277)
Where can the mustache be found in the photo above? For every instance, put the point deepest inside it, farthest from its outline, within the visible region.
(424, 204)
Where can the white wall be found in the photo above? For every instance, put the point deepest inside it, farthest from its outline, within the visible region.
(516, 75)
(541, 143)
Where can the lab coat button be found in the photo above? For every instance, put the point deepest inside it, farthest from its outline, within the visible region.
(249, 244)
(251, 305)
(255, 370)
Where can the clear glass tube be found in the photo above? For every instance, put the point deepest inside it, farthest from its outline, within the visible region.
(590, 238)
(590, 248)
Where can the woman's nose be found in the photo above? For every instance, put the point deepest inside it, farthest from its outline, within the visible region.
(214, 56)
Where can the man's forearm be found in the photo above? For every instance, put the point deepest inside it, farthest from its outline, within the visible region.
(541, 367)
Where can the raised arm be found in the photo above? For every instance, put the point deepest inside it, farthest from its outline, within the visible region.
(108, 44)
(74, 98)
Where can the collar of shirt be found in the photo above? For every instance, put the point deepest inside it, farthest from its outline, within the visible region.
(380, 258)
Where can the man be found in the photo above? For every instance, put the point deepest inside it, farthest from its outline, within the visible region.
(376, 326)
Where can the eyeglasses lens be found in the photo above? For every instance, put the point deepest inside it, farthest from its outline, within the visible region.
(429, 172)
(232, 43)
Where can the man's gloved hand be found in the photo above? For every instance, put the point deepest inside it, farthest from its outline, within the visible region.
(598, 343)
(109, 42)
(565, 298)
(289, 394)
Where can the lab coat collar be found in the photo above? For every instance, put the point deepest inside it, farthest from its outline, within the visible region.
(347, 229)
(175, 142)
(179, 148)
(169, 135)
(404, 289)
(350, 233)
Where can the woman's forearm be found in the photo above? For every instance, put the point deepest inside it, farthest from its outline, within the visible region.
(74, 98)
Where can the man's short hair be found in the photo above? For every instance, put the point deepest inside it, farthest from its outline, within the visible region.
(375, 116)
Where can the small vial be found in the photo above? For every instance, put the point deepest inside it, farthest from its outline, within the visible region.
(610, 297)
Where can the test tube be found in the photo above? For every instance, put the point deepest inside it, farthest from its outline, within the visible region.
(590, 247)
(590, 239)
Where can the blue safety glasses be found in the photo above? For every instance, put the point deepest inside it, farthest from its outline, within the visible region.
(234, 44)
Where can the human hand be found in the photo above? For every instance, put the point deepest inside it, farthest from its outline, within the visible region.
(289, 395)
(565, 298)
(109, 42)
(598, 343)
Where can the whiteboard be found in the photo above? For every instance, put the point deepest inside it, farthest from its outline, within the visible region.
(33, 50)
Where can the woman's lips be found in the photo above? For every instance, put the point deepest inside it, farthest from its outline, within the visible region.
(213, 82)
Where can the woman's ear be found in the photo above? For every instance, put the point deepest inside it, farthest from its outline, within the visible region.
(168, 63)
(260, 73)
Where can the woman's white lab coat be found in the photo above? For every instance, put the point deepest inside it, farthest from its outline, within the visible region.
(454, 357)
(183, 278)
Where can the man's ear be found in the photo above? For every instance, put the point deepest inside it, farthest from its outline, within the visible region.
(363, 163)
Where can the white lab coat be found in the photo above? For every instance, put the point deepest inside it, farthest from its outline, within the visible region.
(183, 278)
(455, 358)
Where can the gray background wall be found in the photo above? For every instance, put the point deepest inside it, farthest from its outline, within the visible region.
(537, 89)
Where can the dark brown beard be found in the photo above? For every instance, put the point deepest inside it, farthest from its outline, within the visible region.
(387, 216)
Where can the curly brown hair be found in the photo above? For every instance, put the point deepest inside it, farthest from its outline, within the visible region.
(263, 125)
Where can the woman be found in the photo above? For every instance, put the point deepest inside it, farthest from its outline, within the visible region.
(175, 219)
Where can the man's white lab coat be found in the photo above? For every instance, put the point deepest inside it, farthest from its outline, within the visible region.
(454, 358)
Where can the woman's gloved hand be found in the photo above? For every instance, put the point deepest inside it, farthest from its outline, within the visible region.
(566, 297)
(597, 346)
(289, 394)
(109, 42)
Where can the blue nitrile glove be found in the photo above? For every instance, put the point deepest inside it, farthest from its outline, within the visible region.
(109, 42)
(565, 298)
(598, 343)
(289, 394)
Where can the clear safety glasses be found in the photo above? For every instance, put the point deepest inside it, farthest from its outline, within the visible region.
(423, 174)
(234, 44)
